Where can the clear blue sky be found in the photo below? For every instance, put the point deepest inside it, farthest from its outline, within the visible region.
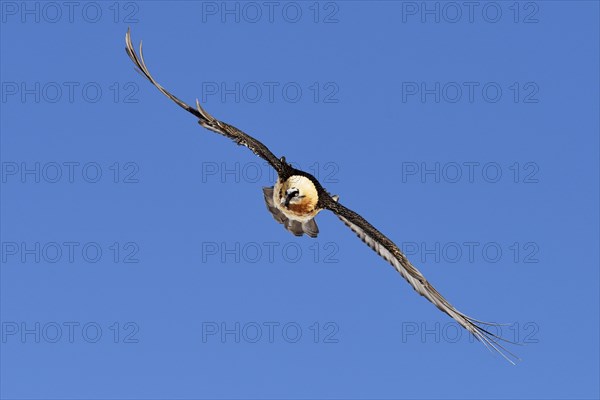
(138, 257)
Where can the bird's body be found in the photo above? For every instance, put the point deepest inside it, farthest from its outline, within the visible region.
(294, 201)
(297, 197)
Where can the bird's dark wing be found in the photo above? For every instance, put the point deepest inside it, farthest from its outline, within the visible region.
(391, 253)
(204, 118)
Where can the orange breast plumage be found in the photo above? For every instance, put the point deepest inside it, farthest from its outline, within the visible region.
(304, 208)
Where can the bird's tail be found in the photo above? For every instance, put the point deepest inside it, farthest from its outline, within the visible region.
(295, 227)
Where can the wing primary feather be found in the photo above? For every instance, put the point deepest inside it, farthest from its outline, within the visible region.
(204, 118)
(141, 67)
(203, 112)
(391, 253)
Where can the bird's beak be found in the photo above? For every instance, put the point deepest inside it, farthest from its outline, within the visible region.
(289, 197)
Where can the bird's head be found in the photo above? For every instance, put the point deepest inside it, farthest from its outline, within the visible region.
(298, 193)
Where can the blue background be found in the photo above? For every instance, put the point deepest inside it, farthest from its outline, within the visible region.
(170, 212)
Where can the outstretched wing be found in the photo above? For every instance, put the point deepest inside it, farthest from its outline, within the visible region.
(391, 253)
(204, 118)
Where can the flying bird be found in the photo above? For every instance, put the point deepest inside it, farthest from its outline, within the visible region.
(297, 197)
